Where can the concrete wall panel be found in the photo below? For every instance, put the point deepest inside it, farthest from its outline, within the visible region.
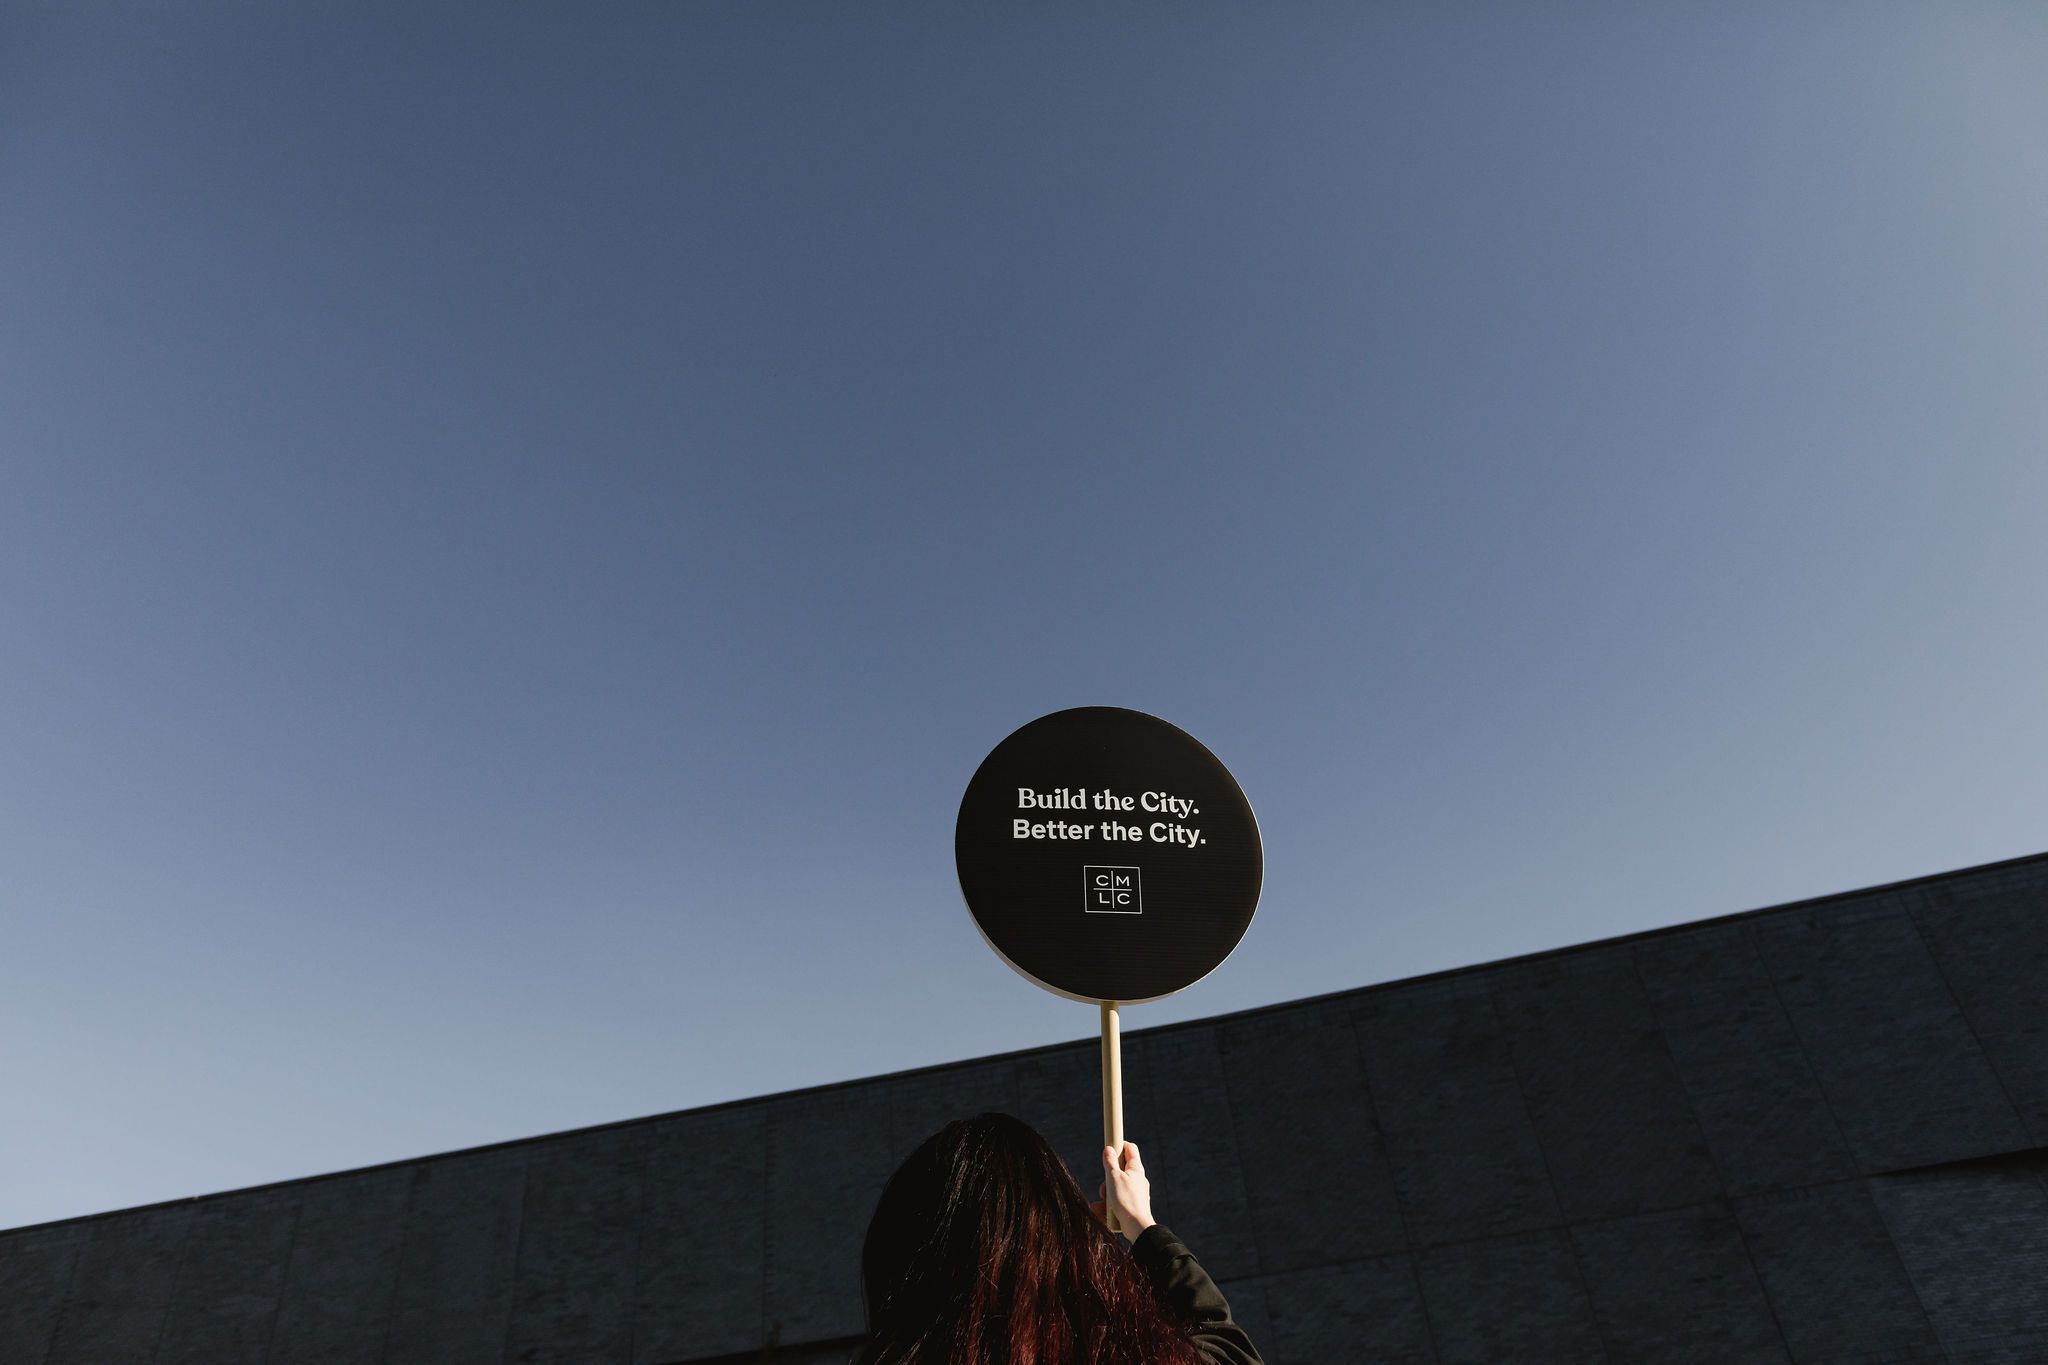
(703, 1237)
(1314, 1169)
(232, 1281)
(1463, 1152)
(1759, 1103)
(1902, 1070)
(1366, 1311)
(1616, 1126)
(1190, 1145)
(453, 1301)
(1832, 1275)
(35, 1267)
(1989, 937)
(1509, 1301)
(343, 1270)
(1975, 1243)
(579, 1239)
(1677, 1288)
(828, 1156)
(120, 1289)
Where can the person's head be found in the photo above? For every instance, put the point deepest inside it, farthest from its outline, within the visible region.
(983, 1251)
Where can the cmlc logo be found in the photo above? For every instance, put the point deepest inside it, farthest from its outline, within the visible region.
(1112, 891)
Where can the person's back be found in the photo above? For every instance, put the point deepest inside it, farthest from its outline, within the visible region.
(983, 1251)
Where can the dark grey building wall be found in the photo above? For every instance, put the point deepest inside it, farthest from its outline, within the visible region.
(1808, 1134)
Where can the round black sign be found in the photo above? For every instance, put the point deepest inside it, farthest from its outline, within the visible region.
(1107, 855)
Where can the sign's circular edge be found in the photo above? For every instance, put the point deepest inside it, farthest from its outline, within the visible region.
(1258, 843)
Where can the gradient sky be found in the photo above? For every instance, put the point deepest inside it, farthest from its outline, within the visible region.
(518, 522)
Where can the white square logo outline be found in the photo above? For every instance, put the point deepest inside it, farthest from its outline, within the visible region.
(1110, 894)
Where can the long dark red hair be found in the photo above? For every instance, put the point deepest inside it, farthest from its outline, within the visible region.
(983, 1251)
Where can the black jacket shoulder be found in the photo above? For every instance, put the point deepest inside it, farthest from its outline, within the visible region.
(1187, 1291)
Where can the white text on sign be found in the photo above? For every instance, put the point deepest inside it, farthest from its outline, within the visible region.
(1110, 831)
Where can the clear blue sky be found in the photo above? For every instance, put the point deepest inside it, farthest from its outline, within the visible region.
(517, 523)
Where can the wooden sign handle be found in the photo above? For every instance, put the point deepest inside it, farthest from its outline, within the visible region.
(1112, 1098)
